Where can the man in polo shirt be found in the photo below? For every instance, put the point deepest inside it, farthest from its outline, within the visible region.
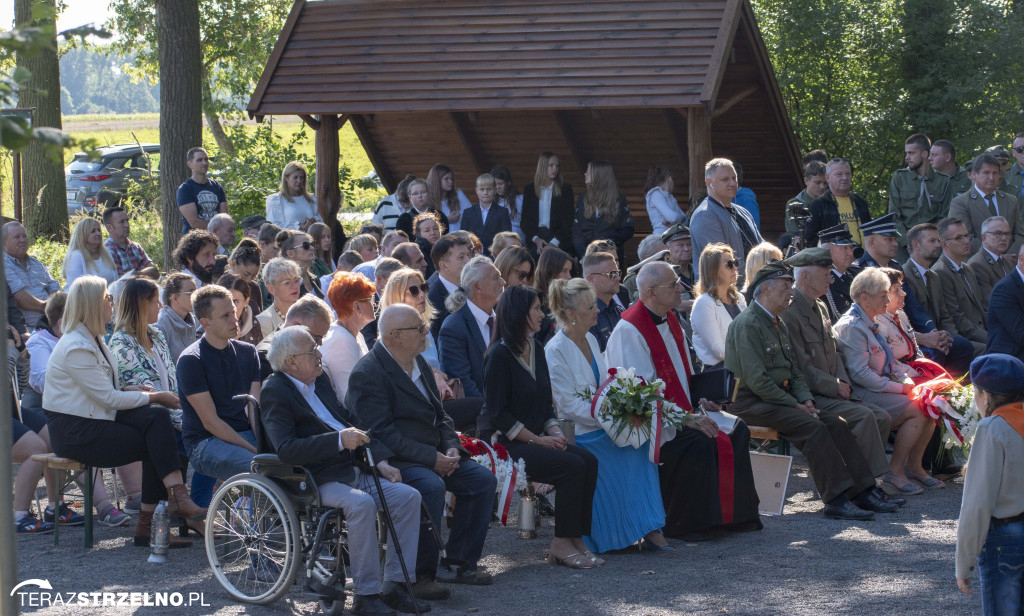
(128, 256)
(216, 430)
(27, 278)
(449, 254)
(602, 272)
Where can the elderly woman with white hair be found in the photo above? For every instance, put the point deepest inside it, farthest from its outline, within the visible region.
(284, 282)
(878, 377)
(94, 422)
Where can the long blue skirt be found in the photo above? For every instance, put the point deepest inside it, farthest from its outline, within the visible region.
(627, 503)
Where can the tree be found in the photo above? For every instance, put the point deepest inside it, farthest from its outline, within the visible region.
(181, 124)
(43, 174)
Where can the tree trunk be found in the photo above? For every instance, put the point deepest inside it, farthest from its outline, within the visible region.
(213, 118)
(44, 189)
(181, 114)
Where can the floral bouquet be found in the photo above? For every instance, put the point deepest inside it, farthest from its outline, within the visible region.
(633, 410)
(951, 406)
(511, 474)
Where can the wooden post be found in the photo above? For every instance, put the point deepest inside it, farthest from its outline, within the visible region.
(698, 143)
(328, 154)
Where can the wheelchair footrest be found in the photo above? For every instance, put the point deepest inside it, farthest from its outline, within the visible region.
(324, 593)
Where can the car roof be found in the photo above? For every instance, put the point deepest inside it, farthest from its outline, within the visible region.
(124, 148)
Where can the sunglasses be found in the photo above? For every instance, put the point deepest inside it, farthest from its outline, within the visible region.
(1019, 149)
(522, 275)
(304, 245)
(610, 275)
(415, 290)
(732, 263)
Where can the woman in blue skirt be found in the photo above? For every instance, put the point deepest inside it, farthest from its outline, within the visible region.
(627, 503)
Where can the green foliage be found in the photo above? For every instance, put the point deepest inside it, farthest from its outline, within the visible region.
(51, 254)
(96, 81)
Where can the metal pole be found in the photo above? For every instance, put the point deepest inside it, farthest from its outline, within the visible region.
(8, 541)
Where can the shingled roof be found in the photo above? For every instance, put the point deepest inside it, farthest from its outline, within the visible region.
(472, 84)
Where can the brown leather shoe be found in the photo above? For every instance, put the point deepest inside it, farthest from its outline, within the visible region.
(144, 529)
(180, 503)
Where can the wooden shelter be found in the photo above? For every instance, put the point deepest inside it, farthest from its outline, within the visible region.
(472, 84)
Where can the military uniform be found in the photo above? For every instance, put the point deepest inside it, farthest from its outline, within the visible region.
(916, 199)
(959, 182)
(1014, 181)
(759, 353)
(963, 300)
(972, 208)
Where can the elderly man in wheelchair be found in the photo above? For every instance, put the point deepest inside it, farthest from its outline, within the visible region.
(317, 468)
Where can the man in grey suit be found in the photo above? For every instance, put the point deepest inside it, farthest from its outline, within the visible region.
(392, 389)
(961, 293)
(984, 200)
(810, 332)
(718, 220)
(990, 264)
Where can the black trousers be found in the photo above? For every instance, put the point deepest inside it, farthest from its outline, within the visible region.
(573, 472)
(464, 413)
(141, 434)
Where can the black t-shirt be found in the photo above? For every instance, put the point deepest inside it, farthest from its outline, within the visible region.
(207, 198)
(222, 373)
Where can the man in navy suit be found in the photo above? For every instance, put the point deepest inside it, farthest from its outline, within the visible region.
(484, 219)
(449, 255)
(309, 427)
(1006, 313)
(469, 330)
(393, 388)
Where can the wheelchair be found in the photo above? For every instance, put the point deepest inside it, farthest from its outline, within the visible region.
(263, 526)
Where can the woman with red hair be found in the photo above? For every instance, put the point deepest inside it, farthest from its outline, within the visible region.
(352, 297)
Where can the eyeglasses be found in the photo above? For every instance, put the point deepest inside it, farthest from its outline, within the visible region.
(615, 275)
(521, 274)
(310, 352)
(732, 263)
(997, 233)
(415, 290)
(319, 340)
(1019, 149)
(677, 283)
(421, 328)
(189, 292)
(289, 283)
(304, 245)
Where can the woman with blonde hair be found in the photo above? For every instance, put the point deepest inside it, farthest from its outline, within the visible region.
(602, 212)
(292, 206)
(93, 421)
(502, 240)
(718, 303)
(86, 254)
(548, 207)
(444, 197)
(759, 256)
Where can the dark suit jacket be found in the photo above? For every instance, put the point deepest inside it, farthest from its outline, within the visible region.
(301, 437)
(825, 213)
(498, 219)
(810, 332)
(562, 207)
(412, 427)
(461, 349)
(988, 270)
(1006, 317)
(963, 302)
(586, 230)
(837, 298)
(929, 295)
(436, 296)
(972, 208)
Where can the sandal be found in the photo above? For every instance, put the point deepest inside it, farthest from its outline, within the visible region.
(927, 481)
(573, 561)
(594, 558)
(910, 488)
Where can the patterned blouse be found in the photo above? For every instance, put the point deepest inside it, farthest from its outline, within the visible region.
(137, 366)
(896, 330)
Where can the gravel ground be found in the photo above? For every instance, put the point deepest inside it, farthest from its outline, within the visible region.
(801, 563)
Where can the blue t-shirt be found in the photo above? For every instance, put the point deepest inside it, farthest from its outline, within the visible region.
(223, 373)
(207, 198)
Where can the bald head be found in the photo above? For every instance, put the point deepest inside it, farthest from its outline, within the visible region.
(397, 316)
(654, 274)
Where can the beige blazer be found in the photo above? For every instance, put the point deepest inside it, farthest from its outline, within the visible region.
(971, 208)
(988, 270)
(80, 379)
(962, 299)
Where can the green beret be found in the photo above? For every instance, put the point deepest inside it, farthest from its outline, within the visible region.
(674, 230)
(818, 256)
(771, 271)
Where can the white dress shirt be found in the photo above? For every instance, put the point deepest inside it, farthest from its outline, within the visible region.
(923, 270)
(481, 321)
(308, 393)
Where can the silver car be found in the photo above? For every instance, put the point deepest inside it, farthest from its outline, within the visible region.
(95, 183)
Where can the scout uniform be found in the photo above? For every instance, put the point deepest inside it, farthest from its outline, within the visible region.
(916, 199)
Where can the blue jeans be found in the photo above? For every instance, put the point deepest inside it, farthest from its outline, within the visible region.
(201, 489)
(474, 487)
(216, 458)
(1001, 570)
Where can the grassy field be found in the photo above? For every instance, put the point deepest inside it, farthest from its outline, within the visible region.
(126, 128)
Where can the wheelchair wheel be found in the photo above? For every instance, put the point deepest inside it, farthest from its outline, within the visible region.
(253, 539)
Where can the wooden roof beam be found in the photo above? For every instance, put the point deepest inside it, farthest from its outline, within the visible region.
(733, 101)
(373, 152)
(310, 121)
(569, 135)
(721, 53)
(470, 141)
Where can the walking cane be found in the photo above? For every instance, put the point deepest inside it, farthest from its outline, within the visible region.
(390, 524)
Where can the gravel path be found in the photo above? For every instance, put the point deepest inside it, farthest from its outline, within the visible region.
(799, 564)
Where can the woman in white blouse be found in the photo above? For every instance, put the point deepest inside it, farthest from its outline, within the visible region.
(627, 504)
(292, 207)
(718, 303)
(86, 254)
(352, 297)
(444, 197)
(662, 207)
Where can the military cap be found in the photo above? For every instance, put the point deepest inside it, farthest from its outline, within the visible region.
(771, 271)
(999, 152)
(253, 222)
(675, 230)
(885, 225)
(818, 256)
(838, 235)
(998, 373)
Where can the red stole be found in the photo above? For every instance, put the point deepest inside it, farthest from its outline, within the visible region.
(639, 317)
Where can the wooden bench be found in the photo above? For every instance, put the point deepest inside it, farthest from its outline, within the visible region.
(768, 438)
(67, 469)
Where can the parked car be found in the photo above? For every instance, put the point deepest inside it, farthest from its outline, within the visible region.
(95, 183)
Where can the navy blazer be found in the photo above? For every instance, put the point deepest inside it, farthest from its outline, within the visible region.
(299, 435)
(498, 219)
(436, 296)
(412, 426)
(1006, 317)
(461, 349)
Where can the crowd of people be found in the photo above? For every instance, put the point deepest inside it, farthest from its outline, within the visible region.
(501, 319)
